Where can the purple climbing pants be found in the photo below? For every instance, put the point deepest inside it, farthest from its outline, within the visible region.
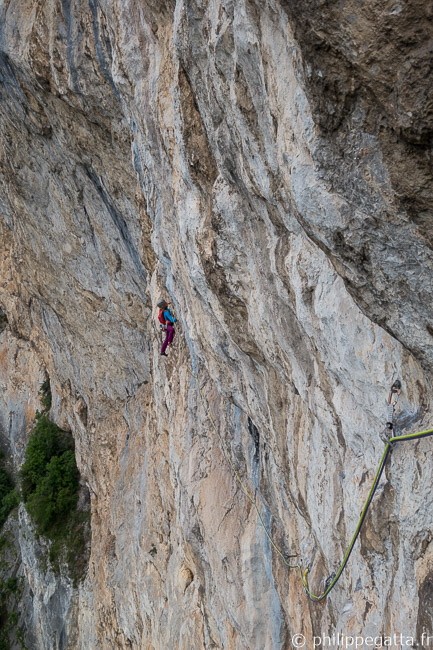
(168, 338)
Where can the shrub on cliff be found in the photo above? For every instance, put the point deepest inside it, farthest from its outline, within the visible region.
(50, 486)
(56, 492)
(8, 494)
(45, 395)
(46, 442)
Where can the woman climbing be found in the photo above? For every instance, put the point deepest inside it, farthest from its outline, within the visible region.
(167, 321)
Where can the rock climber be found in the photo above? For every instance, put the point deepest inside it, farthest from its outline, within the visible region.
(167, 321)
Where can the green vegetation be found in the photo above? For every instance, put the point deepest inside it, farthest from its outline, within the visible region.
(50, 487)
(9, 497)
(49, 475)
(10, 593)
(45, 395)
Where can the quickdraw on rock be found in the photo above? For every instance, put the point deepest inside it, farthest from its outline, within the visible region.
(394, 394)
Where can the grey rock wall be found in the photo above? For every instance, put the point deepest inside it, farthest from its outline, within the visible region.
(266, 166)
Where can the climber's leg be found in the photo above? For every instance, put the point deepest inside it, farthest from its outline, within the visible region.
(168, 339)
(164, 345)
(171, 334)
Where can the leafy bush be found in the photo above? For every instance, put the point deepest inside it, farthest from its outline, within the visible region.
(7, 504)
(50, 485)
(45, 395)
(47, 441)
(8, 495)
(56, 491)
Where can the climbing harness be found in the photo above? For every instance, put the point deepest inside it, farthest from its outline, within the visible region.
(331, 581)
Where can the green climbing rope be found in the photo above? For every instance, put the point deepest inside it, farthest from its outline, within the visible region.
(333, 582)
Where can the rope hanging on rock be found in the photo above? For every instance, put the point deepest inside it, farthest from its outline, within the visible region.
(332, 581)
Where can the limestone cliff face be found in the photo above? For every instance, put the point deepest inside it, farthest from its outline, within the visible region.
(267, 167)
